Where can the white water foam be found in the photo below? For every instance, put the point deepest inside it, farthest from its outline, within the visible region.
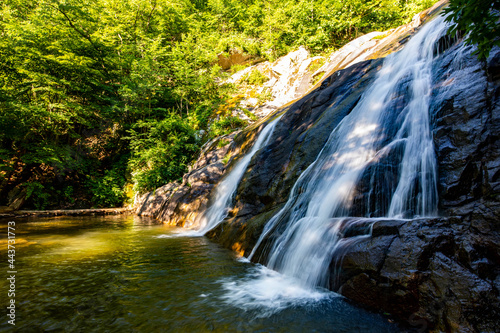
(304, 248)
(180, 233)
(267, 292)
(312, 221)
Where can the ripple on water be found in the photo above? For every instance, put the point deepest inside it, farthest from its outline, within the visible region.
(117, 275)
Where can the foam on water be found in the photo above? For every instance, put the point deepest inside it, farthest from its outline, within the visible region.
(180, 233)
(309, 231)
(305, 235)
(266, 292)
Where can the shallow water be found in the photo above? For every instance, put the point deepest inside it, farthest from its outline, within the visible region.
(130, 274)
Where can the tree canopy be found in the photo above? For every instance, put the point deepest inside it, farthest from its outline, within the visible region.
(99, 96)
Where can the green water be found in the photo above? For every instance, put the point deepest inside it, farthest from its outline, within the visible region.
(114, 274)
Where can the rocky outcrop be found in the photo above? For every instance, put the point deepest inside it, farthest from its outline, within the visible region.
(294, 75)
(297, 140)
(437, 274)
(179, 203)
(466, 132)
(443, 274)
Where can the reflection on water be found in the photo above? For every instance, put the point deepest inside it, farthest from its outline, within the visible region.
(130, 274)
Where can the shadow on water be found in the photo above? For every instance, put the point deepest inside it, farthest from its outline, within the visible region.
(114, 274)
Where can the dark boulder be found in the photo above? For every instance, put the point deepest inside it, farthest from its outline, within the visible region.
(436, 274)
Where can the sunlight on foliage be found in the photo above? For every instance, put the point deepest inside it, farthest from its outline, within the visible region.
(97, 94)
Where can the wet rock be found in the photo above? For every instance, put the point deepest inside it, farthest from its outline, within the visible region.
(434, 272)
(493, 64)
(299, 137)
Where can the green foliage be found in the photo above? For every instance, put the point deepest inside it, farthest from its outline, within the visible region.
(226, 125)
(316, 64)
(255, 77)
(264, 96)
(161, 152)
(107, 187)
(236, 68)
(284, 25)
(381, 36)
(226, 158)
(43, 196)
(38, 194)
(95, 94)
(222, 143)
(76, 76)
(250, 114)
(479, 19)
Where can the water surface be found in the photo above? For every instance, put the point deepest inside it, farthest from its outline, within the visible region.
(130, 274)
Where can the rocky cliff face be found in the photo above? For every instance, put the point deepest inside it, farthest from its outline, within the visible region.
(290, 78)
(440, 274)
(443, 274)
(437, 274)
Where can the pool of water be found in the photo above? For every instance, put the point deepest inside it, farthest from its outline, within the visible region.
(131, 274)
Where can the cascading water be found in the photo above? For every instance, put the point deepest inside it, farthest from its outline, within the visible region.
(307, 231)
(225, 190)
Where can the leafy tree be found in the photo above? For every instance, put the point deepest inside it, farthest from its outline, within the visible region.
(98, 94)
(161, 151)
(479, 19)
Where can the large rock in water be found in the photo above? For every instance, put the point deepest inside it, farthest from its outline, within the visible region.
(437, 274)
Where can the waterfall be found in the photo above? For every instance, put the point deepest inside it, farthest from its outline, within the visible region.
(307, 231)
(225, 190)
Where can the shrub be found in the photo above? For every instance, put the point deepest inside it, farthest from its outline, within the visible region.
(255, 77)
(226, 125)
(161, 152)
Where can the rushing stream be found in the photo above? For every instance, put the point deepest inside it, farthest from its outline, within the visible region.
(130, 274)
